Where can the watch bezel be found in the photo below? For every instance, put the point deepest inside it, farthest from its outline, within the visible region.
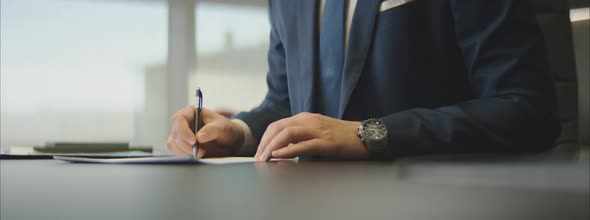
(362, 132)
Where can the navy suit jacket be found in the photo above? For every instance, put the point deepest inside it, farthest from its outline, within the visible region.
(446, 76)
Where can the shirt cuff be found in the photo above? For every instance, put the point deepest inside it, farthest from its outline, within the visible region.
(250, 145)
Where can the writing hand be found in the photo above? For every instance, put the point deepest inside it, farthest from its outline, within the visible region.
(218, 137)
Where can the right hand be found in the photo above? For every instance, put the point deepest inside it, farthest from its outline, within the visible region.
(219, 137)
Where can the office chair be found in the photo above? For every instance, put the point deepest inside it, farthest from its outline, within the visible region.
(554, 20)
(581, 31)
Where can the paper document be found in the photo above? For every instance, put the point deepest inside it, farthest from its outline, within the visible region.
(31, 153)
(162, 160)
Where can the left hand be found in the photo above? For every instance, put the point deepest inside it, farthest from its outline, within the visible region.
(311, 134)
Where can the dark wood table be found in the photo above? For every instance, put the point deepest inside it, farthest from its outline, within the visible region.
(468, 189)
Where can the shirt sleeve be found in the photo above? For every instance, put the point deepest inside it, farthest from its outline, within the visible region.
(250, 144)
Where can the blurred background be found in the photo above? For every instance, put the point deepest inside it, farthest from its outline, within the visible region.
(100, 70)
(116, 70)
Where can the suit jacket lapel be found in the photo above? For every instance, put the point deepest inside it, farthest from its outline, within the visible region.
(359, 42)
(308, 47)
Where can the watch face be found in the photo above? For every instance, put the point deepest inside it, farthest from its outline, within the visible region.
(374, 130)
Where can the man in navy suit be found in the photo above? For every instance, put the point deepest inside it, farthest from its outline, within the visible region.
(376, 79)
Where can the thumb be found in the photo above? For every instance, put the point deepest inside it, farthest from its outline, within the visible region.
(210, 130)
(208, 133)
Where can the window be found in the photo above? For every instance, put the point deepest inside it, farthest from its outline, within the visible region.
(75, 70)
(98, 70)
(231, 44)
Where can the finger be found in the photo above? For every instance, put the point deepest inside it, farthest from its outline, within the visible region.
(271, 131)
(171, 145)
(183, 145)
(303, 148)
(202, 152)
(174, 148)
(188, 112)
(181, 124)
(277, 126)
(183, 133)
(210, 141)
(290, 135)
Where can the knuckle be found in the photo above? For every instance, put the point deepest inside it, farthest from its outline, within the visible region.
(273, 126)
(327, 133)
(302, 114)
(315, 116)
(289, 133)
(180, 143)
(305, 115)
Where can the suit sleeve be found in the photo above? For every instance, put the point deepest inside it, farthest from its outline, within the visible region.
(514, 109)
(275, 105)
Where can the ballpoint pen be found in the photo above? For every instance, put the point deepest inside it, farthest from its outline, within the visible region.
(198, 108)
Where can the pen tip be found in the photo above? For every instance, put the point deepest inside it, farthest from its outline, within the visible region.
(199, 92)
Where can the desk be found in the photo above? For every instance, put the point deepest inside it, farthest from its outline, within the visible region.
(47, 189)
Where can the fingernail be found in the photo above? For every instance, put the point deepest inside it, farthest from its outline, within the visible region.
(275, 153)
(262, 157)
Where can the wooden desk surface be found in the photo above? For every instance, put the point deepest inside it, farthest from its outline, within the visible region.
(47, 189)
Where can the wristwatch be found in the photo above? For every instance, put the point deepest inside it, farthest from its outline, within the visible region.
(373, 134)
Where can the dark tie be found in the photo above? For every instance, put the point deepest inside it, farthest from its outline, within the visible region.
(331, 57)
